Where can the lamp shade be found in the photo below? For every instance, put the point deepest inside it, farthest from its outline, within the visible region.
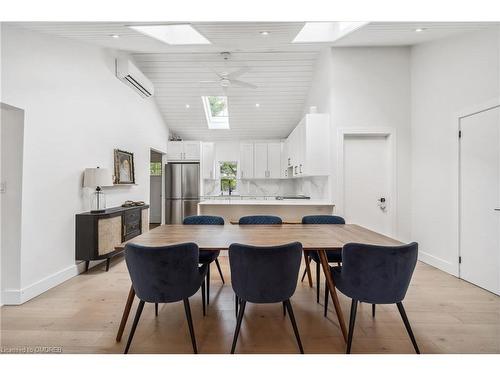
(94, 177)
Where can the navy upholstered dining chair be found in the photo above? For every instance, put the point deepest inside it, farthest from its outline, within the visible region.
(260, 219)
(163, 275)
(376, 275)
(257, 220)
(332, 255)
(207, 256)
(265, 275)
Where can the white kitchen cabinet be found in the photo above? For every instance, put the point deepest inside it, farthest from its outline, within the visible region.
(267, 159)
(191, 150)
(175, 150)
(308, 147)
(274, 160)
(208, 160)
(183, 150)
(246, 160)
(260, 160)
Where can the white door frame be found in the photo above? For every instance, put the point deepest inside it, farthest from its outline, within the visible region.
(162, 200)
(388, 132)
(466, 112)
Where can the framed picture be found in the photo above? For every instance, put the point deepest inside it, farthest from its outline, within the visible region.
(124, 167)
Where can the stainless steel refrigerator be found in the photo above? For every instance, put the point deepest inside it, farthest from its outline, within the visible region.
(182, 191)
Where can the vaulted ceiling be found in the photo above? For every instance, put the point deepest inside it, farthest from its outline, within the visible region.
(281, 70)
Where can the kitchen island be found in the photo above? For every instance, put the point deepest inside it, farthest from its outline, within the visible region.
(290, 210)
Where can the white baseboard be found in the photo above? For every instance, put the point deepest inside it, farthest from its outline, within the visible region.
(18, 297)
(442, 264)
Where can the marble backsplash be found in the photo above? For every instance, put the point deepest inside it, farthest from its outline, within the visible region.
(314, 187)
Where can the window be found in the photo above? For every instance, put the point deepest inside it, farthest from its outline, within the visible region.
(228, 176)
(216, 111)
(155, 168)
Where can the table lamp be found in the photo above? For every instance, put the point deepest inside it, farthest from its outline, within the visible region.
(96, 178)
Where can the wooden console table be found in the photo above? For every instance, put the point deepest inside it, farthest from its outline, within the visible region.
(98, 234)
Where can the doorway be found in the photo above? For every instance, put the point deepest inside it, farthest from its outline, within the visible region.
(479, 198)
(367, 179)
(155, 188)
(12, 138)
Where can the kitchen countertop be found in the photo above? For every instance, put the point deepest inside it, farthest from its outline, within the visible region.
(268, 202)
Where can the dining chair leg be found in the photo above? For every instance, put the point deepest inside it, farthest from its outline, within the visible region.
(126, 312)
(220, 270)
(326, 299)
(108, 260)
(156, 309)
(303, 275)
(352, 320)
(190, 324)
(284, 308)
(307, 260)
(317, 282)
(134, 325)
(238, 325)
(288, 305)
(208, 284)
(203, 298)
(407, 325)
(236, 300)
(373, 310)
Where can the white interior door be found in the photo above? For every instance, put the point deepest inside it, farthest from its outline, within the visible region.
(480, 199)
(367, 182)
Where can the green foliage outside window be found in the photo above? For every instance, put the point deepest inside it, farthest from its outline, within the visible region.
(155, 168)
(217, 105)
(228, 171)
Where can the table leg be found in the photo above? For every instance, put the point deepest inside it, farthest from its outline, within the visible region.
(333, 292)
(126, 312)
(308, 269)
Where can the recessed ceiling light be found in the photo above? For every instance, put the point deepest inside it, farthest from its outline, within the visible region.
(187, 106)
(116, 36)
(257, 105)
(172, 34)
(264, 33)
(419, 30)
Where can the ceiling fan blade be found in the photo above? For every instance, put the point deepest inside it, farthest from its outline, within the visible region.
(208, 81)
(243, 84)
(238, 72)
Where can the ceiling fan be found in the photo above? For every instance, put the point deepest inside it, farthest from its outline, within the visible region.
(227, 79)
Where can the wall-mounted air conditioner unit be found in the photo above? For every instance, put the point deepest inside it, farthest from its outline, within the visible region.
(127, 72)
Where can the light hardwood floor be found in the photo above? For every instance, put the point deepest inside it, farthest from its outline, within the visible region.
(82, 316)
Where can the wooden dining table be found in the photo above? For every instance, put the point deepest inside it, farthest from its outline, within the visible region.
(219, 237)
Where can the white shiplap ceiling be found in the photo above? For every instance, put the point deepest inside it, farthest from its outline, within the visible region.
(281, 70)
(403, 33)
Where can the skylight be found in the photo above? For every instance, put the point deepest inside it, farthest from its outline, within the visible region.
(172, 34)
(216, 111)
(321, 32)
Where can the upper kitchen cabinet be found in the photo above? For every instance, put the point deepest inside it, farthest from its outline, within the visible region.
(183, 151)
(208, 160)
(246, 160)
(267, 160)
(308, 151)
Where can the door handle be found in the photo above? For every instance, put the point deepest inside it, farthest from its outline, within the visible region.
(496, 209)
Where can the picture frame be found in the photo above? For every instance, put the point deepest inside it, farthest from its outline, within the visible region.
(124, 167)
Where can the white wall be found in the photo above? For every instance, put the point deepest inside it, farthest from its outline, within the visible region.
(76, 113)
(368, 88)
(447, 76)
